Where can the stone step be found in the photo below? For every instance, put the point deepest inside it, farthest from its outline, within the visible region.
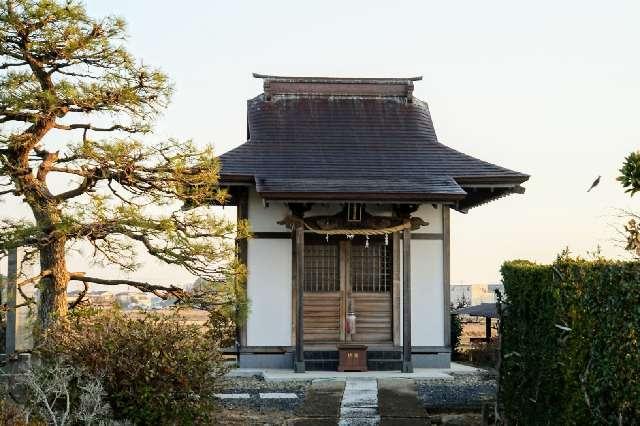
(322, 401)
(399, 404)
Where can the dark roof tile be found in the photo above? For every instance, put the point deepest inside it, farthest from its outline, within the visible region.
(333, 145)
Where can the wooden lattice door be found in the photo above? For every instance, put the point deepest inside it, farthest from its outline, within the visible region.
(371, 290)
(322, 292)
(348, 276)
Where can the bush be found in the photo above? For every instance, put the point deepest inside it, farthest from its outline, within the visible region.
(155, 369)
(54, 392)
(456, 334)
(571, 342)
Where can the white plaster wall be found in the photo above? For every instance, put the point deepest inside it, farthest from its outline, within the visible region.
(269, 292)
(431, 215)
(427, 298)
(265, 219)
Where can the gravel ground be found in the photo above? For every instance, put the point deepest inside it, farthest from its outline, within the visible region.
(253, 386)
(464, 393)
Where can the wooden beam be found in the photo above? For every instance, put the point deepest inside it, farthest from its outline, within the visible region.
(299, 366)
(407, 365)
(446, 273)
(427, 236)
(271, 235)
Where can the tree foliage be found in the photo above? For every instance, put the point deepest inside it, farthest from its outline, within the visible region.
(630, 173)
(63, 72)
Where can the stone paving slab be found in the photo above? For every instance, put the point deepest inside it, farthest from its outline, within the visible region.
(313, 422)
(322, 401)
(359, 422)
(404, 422)
(398, 399)
(232, 396)
(278, 395)
(360, 403)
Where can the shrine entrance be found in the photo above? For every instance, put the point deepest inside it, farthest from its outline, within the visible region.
(348, 289)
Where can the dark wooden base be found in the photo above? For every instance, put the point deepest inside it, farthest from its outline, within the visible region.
(352, 358)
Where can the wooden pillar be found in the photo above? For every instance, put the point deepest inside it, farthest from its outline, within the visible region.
(299, 366)
(12, 298)
(446, 274)
(396, 289)
(407, 364)
(242, 249)
(487, 328)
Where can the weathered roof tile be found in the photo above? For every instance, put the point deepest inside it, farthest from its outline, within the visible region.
(364, 147)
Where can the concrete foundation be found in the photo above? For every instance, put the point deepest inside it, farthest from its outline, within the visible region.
(280, 360)
(286, 360)
(435, 360)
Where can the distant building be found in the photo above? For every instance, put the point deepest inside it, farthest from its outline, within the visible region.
(474, 294)
(101, 299)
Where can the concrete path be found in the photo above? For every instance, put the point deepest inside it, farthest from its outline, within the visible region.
(360, 403)
(276, 375)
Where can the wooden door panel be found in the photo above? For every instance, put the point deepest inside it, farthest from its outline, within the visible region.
(374, 317)
(321, 317)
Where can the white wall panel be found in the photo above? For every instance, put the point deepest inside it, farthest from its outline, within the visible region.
(434, 216)
(269, 292)
(427, 315)
(265, 219)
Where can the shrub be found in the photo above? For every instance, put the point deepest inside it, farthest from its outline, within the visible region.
(155, 369)
(456, 334)
(53, 392)
(571, 342)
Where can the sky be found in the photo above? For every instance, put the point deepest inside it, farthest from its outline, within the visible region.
(547, 88)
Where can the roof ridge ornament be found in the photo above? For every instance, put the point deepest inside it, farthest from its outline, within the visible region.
(338, 86)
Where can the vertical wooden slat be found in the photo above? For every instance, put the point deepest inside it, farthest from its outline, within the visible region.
(407, 365)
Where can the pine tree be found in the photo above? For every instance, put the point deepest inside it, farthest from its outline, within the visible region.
(64, 71)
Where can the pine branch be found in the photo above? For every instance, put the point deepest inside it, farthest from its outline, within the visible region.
(98, 129)
(164, 292)
(80, 297)
(12, 64)
(32, 280)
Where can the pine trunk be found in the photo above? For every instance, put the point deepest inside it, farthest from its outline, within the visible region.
(53, 288)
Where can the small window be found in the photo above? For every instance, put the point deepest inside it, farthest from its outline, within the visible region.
(354, 212)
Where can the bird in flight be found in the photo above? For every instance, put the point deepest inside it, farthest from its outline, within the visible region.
(594, 184)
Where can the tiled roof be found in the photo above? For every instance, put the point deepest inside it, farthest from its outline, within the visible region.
(366, 147)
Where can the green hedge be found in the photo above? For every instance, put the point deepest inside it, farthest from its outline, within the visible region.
(570, 342)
